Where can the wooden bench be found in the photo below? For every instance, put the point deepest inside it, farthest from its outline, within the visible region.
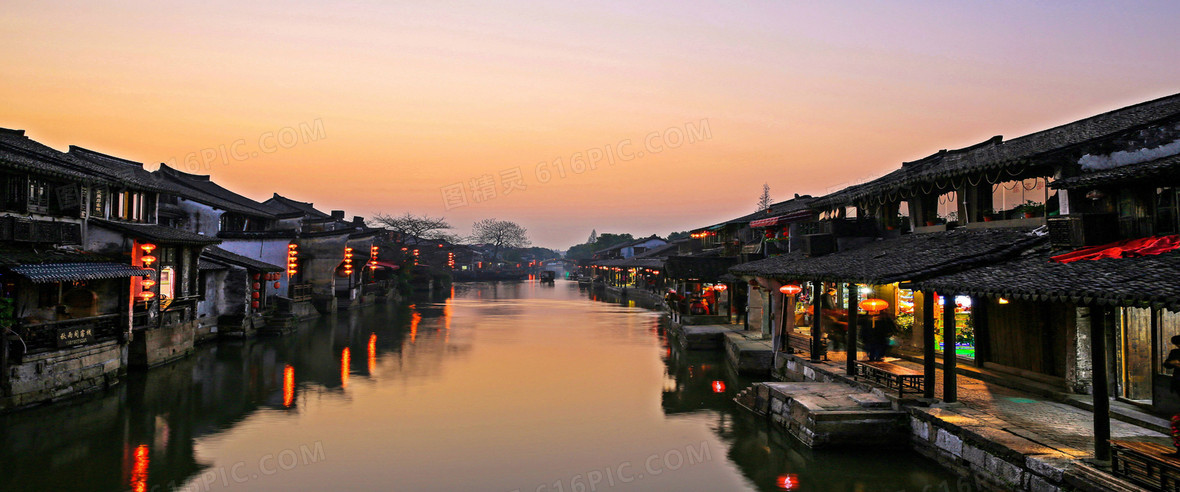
(892, 376)
(799, 342)
(1151, 465)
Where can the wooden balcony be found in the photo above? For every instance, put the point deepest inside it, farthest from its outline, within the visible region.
(54, 335)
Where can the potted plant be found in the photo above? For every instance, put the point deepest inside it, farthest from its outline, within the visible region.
(1032, 209)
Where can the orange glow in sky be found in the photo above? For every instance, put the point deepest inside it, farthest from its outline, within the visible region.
(407, 98)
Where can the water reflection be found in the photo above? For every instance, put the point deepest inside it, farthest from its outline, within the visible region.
(498, 387)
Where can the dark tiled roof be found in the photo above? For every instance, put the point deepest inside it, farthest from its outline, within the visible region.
(997, 153)
(1167, 168)
(20, 152)
(652, 258)
(909, 257)
(275, 234)
(222, 256)
(122, 171)
(632, 242)
(156, 233)
(11, 255)
(706, 268)
(800, 202)
(285, 204)
(1147, 280)
(70, 272)
(200, 189)
(207, 264)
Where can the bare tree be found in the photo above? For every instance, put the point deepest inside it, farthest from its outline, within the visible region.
(500, 234)
(764, 200)
(414, 229)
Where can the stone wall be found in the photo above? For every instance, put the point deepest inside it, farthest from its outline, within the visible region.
(814, 414)
(998, 460)
(162, 345)
(61, 373)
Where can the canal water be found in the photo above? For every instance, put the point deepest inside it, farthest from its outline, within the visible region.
(498, 387)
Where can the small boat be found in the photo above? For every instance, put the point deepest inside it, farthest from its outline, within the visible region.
(548, 276)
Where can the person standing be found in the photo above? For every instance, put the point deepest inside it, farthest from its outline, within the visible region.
(1173, 363)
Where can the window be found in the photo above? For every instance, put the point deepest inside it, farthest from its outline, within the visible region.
(48, 295)
(1167, 214)
(38, 195)
(14, 193)
(167, 283)
(1025, 198)
(168, 255)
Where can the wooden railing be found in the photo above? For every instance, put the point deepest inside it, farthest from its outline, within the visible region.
(300, 292)
(52, 335)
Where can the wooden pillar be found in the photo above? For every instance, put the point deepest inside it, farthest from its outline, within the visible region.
(853, 318)
(729, 295)
(928, 347)
(788, 302)
(817, 291)
(980, 307)
(1101, 390)
(950, 377)
(3, 361)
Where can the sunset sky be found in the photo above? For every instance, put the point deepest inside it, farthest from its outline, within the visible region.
(415, 97)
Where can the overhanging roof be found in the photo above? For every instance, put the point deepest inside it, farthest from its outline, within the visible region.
(1142, 281)
(222, 256)
(909, 257)
(1165, 168)
(70, 272)
(157, 233)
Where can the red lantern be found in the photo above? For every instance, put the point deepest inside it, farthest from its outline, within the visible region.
(257, 285)
(255, 276)
(276, 285)
(790, 289)
(254, 304)
(147, 260)
(720, 287)
(147, 248)
(718, 386)
(873, 306)
(255, 295)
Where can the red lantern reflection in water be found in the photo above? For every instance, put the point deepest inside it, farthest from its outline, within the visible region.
(415, 318)
(372, 353)
(719, 386)
(288, 385)
(139, 469)
(787, 482)
(345, 362)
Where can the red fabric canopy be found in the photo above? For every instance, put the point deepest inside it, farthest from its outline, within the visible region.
(1128, 248)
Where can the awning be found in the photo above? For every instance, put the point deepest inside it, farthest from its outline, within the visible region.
(783, 219)
(69, 272)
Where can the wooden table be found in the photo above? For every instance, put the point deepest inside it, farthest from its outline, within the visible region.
(892, 376)
(1146, 463)
(799, 342)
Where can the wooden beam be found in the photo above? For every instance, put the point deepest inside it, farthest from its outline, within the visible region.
(950, 376)
(928, 342)
(817, 290)
(850, 340)
(1101, 390)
